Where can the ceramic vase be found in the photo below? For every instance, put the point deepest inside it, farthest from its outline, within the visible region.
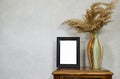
(94, 51)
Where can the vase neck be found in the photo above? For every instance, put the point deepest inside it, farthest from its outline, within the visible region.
(94, 34)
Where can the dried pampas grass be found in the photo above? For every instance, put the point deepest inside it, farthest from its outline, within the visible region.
(98, 15)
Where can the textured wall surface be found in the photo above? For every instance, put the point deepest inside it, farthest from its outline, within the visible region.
(28, 31)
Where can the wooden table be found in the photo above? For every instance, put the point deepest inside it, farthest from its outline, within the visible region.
(82, 73)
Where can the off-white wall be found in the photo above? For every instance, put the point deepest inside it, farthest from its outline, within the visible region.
(28, 31)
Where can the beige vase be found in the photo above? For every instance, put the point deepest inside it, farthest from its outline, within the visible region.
(94, 51)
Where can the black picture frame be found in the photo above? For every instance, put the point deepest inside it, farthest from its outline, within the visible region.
(65, 42)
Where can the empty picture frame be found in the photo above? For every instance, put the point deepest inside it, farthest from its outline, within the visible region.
(68, 52)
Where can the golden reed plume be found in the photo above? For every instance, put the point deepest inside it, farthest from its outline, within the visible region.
(98, 15)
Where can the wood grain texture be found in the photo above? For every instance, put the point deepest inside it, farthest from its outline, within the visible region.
(82, 73)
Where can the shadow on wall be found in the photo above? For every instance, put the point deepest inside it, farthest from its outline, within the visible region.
(107, 44)
(108, 59)
(54, 60)
(84, 58)
(51, 77)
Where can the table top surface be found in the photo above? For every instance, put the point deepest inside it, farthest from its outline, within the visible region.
(82, 71)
